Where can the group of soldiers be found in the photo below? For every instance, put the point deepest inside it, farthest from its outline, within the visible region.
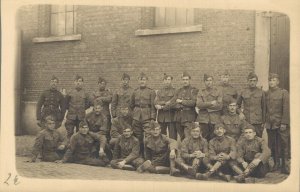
(197, 133)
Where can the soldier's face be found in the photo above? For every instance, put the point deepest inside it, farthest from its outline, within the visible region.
(125, 81)
(78, 83)
(84, 129)
(232, 107)
(209, 82)
(143, 81)
(102, 85)
(168, 81)
(274, 82)
(50, 124)
(156, 131)
(98, 109)
(127, 133)
(252, 82)
(249, 134)
(185, 81)
(225, 79)
(220, 131)
(53, 83)
(195, 133)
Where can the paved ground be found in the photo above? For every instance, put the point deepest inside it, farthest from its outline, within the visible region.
(75, 171)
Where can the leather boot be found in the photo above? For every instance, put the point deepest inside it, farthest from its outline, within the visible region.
(223, 176)
(144, 167)
(206, 175)
(128, 168)
(236, 169)
(188, 169)
(162, 170)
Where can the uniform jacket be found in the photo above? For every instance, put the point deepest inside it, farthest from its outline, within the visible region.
(229, 93)
(189, 145)
(51, 102)
(96, 123)
(254, 102)
(164, 95)
(185, 111)
(105, 96)
(77, 102)
(278, 108)
(142, 103)
(47, 142)
(234, 125)
(120, 104)
(224, 144)
(126, 148)
(207, 112)
(248, 150)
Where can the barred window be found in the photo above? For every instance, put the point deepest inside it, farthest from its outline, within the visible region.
(168, 17)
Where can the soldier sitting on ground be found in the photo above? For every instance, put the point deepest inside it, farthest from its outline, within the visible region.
(160, 153)
(222, 153)
(126, 151)
(253, 154)
(49, 142)
(193, 152)
(82, 145)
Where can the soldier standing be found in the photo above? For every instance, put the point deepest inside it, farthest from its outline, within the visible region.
(103, 96)
(278, 123)
(165, 109)
(227, 90)
(142, 104)
(77, 101)
(209, 102)
(254, 104)
(185, 102)
(51, 102)
(253, 154)
(120, 104)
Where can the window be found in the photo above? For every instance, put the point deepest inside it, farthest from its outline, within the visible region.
(63, 20)
(167, 17)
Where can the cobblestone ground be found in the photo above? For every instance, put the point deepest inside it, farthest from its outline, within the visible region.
(76, 171)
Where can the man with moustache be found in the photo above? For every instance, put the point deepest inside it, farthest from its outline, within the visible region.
(165, 109)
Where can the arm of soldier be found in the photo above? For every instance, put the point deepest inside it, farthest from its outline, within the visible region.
(285, 108)
(70, 151)
(152, 107)
(211, 150)
(134, 153)
(184, 150)
(266, 152)
(63, 141)
(37, 147)
(113, 105)
(219, 102)
(240, 151)
(205, 149)
(233, 151)
(157, 100)
(39, 106)
(148, 154)
(117, 150)
(191, 102)
(108, 98)
(200, 103)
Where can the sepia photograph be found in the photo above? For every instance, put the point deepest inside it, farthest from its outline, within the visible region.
(134, 97)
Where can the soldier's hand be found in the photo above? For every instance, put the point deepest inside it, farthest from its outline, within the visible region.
(245, 164)
(168, 102)
(61, 147)
(172, 154)
(101, 154)
(158, 107)
(59, 161)
(214, 102)
(256, 162)
(251, 166)
(283, 127)
(242, 116)
(121, 164)
(178, 101)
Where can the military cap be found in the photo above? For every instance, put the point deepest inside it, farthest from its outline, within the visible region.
(77, 77)
(143, 75)
(101, 80)
(231, 100)
(252, 75)
(249, 126)
(125, 75)
(166, 76)
(98, 102)
(153, 124)
(226, 72)
(126, 126)
(54, 78)
(83, 123)
(206, 76)
(194, 125)
(218, 125)
(273, 75)
(50, 118)
(186, 74)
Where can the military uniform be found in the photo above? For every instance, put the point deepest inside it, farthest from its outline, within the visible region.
(127, 149)
(248, 150)
(277, 113)
(209, 115)
(233, 124)
(142, 103)
(97, 123)
(229, 93)
(254, 105)
(81, 149)
(46, 144)
(165, 115)
(77, 102)
(51, 102)
(185, 112)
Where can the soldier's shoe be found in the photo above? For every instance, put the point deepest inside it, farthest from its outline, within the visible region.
(203, 176)
(128, 168)
(142, 168)
(192, 171)
(240, 178)
(226, 178)
(175, 172)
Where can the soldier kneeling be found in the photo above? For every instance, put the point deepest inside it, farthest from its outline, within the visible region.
(49, 142)
(82, 145)
(222, 153)
(126, 151)
(253, 154)
(193, 152)
(160, 153)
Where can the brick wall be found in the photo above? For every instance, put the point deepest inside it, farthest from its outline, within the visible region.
(109, 47)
